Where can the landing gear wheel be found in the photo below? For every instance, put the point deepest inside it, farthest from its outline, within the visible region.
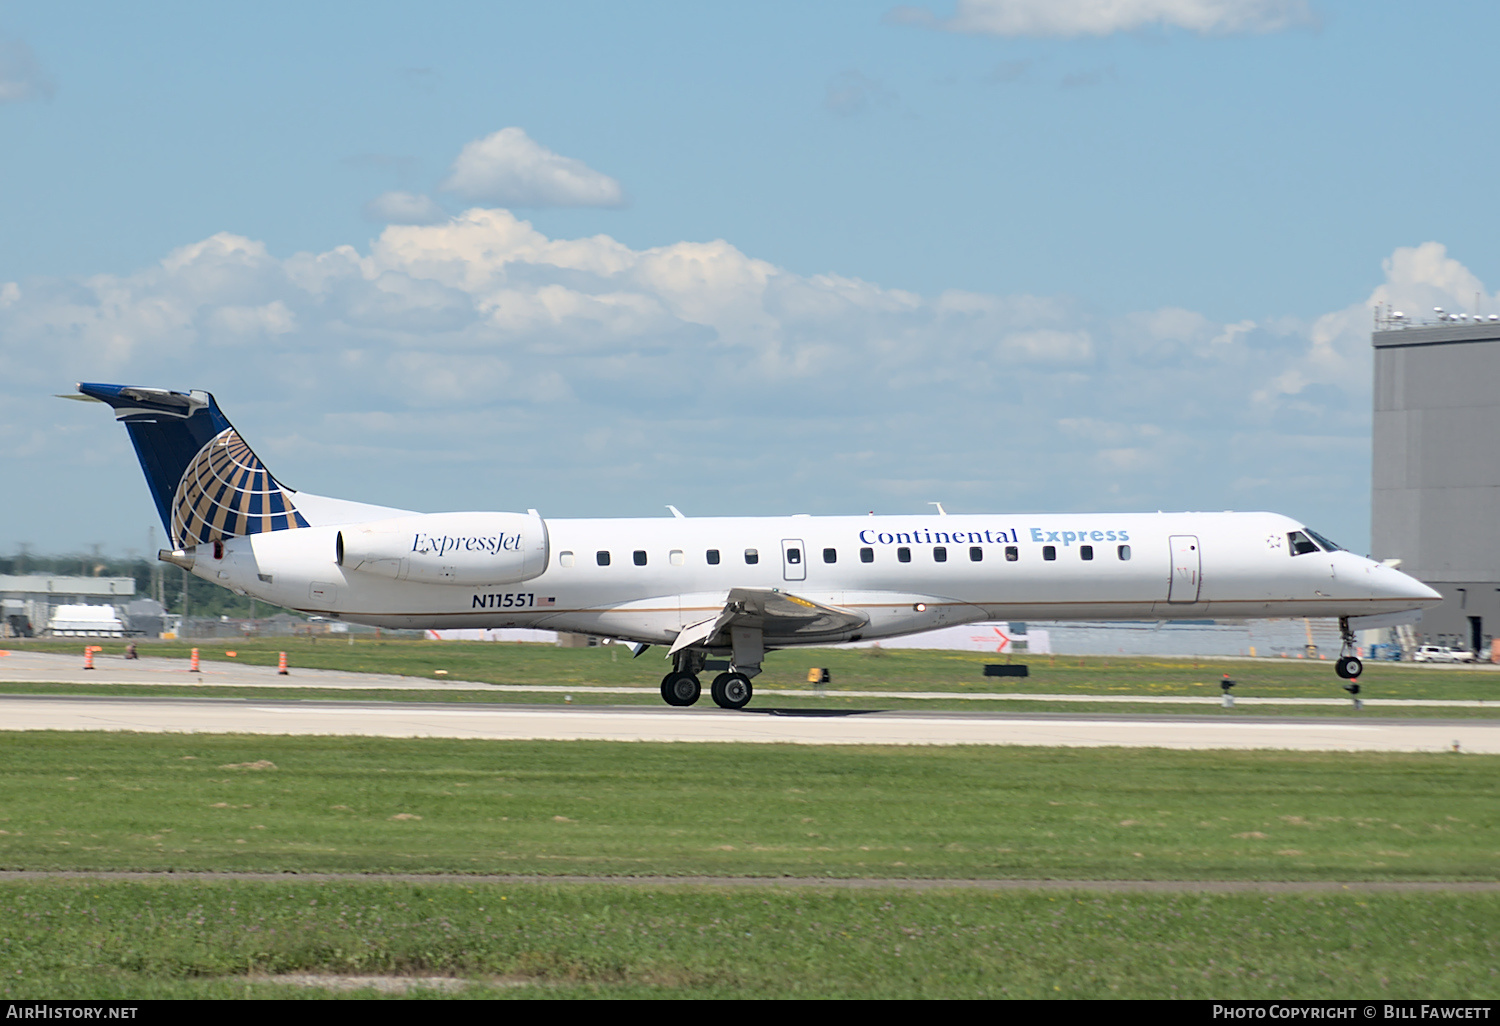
(1349, 665)
(731, 690)
(680, 689)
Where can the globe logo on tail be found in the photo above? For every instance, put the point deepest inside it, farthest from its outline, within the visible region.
(226, 492)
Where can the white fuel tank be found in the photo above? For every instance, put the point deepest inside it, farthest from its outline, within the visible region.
(447, 548)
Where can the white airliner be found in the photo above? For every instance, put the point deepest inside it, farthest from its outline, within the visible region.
(724, 586)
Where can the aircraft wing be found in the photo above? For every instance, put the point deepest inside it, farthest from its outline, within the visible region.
(779, 616)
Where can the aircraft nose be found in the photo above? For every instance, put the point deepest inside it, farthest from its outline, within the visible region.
(1405, 586)
(1425, 593)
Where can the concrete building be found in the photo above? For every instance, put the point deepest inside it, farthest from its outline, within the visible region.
(1435, 501)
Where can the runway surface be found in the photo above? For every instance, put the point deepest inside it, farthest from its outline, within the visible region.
(762, 722)
(22, 666)
(763, 725)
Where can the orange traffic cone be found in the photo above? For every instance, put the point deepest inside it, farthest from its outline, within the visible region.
(281, 665)
(88, 657)
(193, 665)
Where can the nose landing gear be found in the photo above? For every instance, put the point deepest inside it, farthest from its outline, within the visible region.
(1349, 665)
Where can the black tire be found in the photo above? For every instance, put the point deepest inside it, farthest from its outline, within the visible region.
(1349, 667)
(732, 690)
(680, 689)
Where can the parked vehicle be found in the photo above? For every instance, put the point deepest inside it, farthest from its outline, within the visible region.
(1441, 654)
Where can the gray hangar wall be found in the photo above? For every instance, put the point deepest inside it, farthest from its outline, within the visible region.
(1436, 482)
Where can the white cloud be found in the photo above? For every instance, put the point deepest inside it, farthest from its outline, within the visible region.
(403, 208)
(1049, 346)
(1417, 279)
(1072, 18)
(1231, 332)
(21, 77)
(251, 321)
(1422, 277)
(606, 379)
(511, 169)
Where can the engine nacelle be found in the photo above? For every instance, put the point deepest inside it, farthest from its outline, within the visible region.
(447, 548)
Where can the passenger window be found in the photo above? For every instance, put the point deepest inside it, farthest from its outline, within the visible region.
(1049, 552)
(903, 554)
(602, 557)
(676, 557)
(752, 556)
(976, 554)
(794, 556)
(940, 555)
(713, 557)
(1012, 553)
(1085, 552)
(867, 555)
(640, 557)
(565, 559)
(1124, 551)
(830, 555)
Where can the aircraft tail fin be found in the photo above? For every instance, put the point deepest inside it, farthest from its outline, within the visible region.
(207, 483)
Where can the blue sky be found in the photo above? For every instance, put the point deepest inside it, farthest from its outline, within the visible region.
(1012, 255)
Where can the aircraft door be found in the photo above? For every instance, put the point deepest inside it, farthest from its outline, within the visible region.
(1187, 569)
(793, 559)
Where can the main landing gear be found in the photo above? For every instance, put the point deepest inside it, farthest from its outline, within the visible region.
(1349, 665)
(680, 688)
(730, 690)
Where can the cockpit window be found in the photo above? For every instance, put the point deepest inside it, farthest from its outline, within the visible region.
(1300, 543)
(1304, 541)
(1328, 546)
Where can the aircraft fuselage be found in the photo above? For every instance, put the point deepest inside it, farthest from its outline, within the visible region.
(647, 579)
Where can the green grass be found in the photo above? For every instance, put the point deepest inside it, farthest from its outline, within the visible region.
(891, 670)
(197, 802)
(352, 805)
(190, 939)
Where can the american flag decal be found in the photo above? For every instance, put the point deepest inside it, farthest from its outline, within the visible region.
(546, 602)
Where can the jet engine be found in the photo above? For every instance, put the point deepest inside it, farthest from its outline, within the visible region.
(447, 548)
